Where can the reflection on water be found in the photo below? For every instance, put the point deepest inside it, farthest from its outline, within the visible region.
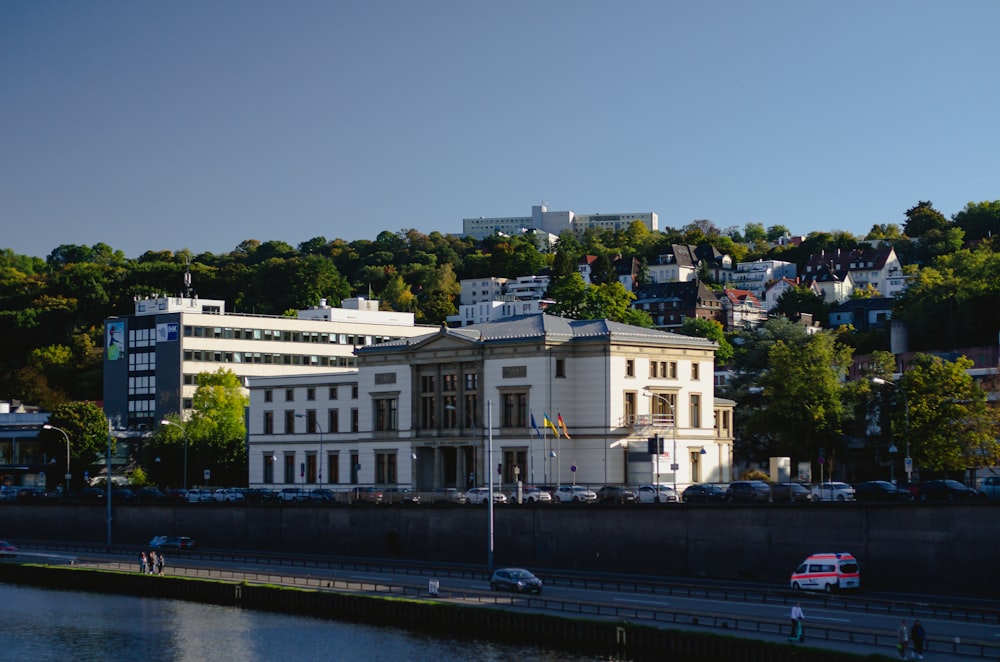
(43, 625)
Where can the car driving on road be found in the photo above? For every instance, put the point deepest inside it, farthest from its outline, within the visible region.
(517, 580)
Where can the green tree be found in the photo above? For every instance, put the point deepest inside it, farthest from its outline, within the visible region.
(800, 299)
(87, 429)
(951, 425)
(712, 330)
(979, 220)
(216, 429)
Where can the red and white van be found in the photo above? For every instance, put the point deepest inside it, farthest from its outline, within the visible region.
(830, 571)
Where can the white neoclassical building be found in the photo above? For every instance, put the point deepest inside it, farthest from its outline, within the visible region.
(442, 409)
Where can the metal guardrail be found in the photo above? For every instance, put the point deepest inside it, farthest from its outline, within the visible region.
(641, 614)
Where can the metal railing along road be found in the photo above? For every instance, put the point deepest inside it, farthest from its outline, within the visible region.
(646, 614)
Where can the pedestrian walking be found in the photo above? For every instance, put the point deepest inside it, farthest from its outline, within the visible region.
(159, 563)
(917, 636)
(142, 563)
(152, 562)
(902, 639)
(797, 633)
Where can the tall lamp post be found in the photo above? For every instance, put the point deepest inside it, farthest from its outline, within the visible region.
(674, 466)
(906, 408)
(319, 457)
(184, 482)
(489, 473)
(66, 435)
(107, 497)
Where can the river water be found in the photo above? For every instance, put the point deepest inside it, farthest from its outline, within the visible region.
(43, 625)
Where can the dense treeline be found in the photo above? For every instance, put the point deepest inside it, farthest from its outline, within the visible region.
(52, 309)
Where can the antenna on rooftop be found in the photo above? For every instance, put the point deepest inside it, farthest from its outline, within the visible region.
(187, 277)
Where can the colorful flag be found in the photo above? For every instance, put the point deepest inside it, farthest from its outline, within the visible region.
(562, 424)
(535, 425)
(547, 423)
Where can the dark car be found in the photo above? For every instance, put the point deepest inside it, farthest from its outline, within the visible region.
(260, 495)
(517, 580)
(748, 491)
(366, 495)
(615, 494)
(175, 495)
(122, 495)
(179, 543)
(704, 493)
(149, 495)
(790, 492)
(322, 495)
(946, 489)
(448, 495)
(93, 494)
(880, 490)
(32, 494)
(401, 495)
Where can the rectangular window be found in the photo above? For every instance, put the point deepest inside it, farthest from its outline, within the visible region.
(310, 394)
(695, 370)
(289, 421)
(268, 395)
(290, 468)
(471, 381)
(310, 467)
(471, 405)
(628, 408)
(333, 468)
(652, 369)
(354, 392)
(662, 408)
(332, 421)
(289, 394)
(695, 410)
(427, 405)
(354, 420)
(514, 412)
(268, 477)
(385, 468)
(671, 370)
(449, 382)
(560, 367)
(630, 367)
(450, 412)
(268, 422)
(427, 384)
(311, 426)
(333, 392)
(385, 414)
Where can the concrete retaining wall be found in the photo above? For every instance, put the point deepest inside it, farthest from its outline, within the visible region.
(900, 547)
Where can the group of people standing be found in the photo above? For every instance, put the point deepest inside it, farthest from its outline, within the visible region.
(906, 635)
(152, 564)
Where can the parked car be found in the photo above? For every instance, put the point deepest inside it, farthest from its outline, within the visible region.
(32, 494)
(946, 489)
(530, 495)
(748, 491)
(401, 495)
(448, 495)
(322, 495)
(880, 490)
(175, 495)
(833, 491)
(656, 494)
(260, 495)
(517, 580)
(149, 495)
(200, 496)
(793, 492)
(616, 494)
(477, 496)
(93, 495)
(180, 543)
(989, 487)
(704, 493)
(575, 494)
(229, 495)
(7, 549)
(122, 495)
(7, 493)
(367, 495)
(293, 495)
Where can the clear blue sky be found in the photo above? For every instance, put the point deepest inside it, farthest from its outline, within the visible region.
(154, 125)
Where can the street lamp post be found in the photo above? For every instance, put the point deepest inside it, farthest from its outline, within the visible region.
(66, 435)
(674, 465)
(906, 408)
(489, 473)
(108, 495)
(184, 483)
(319, 457)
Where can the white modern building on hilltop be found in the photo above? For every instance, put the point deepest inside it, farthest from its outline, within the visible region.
(553, 222)
(443, 409)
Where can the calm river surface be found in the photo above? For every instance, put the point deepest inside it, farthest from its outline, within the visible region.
(42, 625)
